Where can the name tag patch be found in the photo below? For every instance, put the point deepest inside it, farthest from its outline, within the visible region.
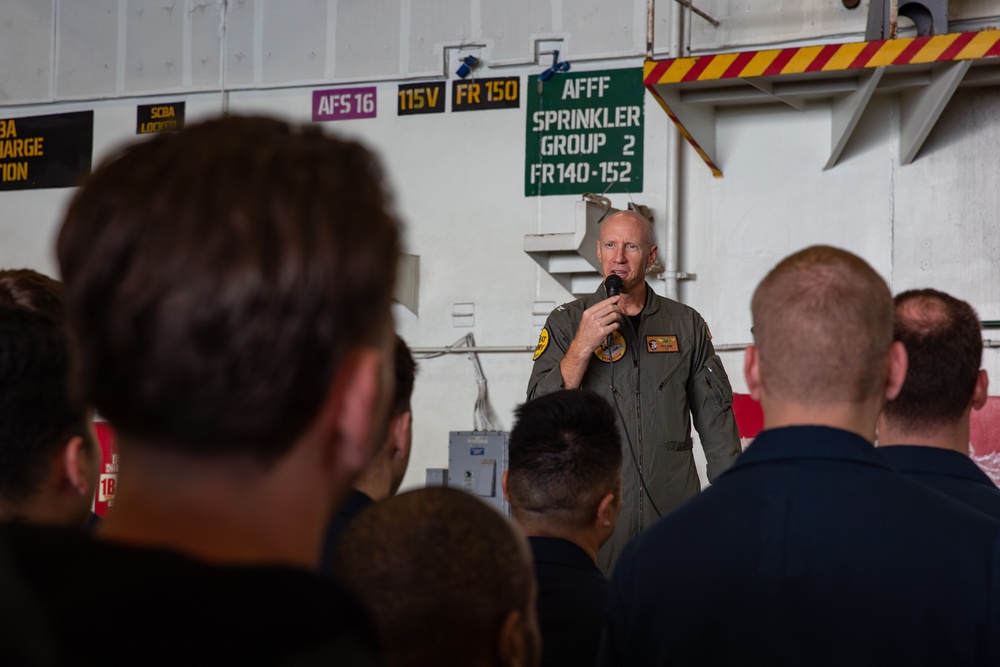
(657, 344)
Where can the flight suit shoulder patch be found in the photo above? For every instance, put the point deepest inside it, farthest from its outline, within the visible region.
(543, 342)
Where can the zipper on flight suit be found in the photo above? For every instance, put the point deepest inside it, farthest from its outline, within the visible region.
(638, 416)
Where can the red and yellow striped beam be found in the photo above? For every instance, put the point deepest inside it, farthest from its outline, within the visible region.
(706, 158)
(829, 58)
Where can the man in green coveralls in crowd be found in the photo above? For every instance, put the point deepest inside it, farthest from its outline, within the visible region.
(660, 368)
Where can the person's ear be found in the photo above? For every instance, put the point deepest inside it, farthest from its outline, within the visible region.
(896, 376)
(401, 440)
(77, 464)
(513, 645)
(751, 372)
(652, 256)
(607, 512)
(355, 403)
(981, 391)
(503, 485)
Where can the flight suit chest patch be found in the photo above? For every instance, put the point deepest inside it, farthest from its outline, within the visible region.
(661, 344)
(615, 352)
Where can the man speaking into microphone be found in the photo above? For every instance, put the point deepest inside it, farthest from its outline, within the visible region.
(654, 358)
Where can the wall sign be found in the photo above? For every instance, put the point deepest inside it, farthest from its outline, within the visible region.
(482, 94)
(167, 117)
(419, 98)
(45, 151)
(584, 133)
(344, 103)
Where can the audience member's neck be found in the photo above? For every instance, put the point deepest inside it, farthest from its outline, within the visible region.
(952, 435)
(858, 418)
(226, 510)
(375, 482)
(49, 510)
(585, 539)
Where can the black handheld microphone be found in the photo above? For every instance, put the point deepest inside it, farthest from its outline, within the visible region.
(613, 285)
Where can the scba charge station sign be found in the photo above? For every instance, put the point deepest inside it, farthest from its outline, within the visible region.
(584, 133)
(45, 151)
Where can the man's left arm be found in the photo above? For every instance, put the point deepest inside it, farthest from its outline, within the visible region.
(711, 398)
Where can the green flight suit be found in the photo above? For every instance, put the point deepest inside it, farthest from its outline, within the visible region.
(668, 373)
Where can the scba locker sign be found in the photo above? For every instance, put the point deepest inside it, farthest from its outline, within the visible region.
(584, 133)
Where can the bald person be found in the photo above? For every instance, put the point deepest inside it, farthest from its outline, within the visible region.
(924, 432)
(660, 368)
(811, 549)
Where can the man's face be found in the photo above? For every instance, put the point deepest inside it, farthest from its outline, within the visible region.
(626, 249)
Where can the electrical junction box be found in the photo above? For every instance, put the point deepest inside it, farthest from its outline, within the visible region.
(476, 463)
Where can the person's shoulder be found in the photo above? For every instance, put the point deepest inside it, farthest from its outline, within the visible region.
(256, 614)
(676, 308)
(165, 607)
(572, 310)
(580, 304)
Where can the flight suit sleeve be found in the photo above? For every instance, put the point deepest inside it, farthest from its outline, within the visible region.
(553, 342)
(711, 399)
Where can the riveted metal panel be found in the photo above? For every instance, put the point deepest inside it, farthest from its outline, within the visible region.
(25, 49)
(154, 45)
(206, 20)
(605, 28)
(239, 49)
(432, 24)
(510, 24)
(746, 22)
(946, 233)
(367, 39)
(294, 41)
(88, 48)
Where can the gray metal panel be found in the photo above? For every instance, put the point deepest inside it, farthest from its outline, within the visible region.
(88, 48)
(509, 25)
(476, 463)
(294, 41)
(154, 45)
(25, 49)
(206, 19)
(971, 9)
(239, 52)
(746, 22)
(367, 41)
(946, 233)
(603, 27)
(432, 23)
(662, 38)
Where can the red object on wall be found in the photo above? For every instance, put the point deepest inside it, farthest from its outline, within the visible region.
(984, 435)
(107, 483)
(749, 416)
(984, 432)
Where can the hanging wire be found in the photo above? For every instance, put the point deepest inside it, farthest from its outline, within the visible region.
(484, 418)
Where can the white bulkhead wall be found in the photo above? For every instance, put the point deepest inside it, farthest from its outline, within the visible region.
(458, 178)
